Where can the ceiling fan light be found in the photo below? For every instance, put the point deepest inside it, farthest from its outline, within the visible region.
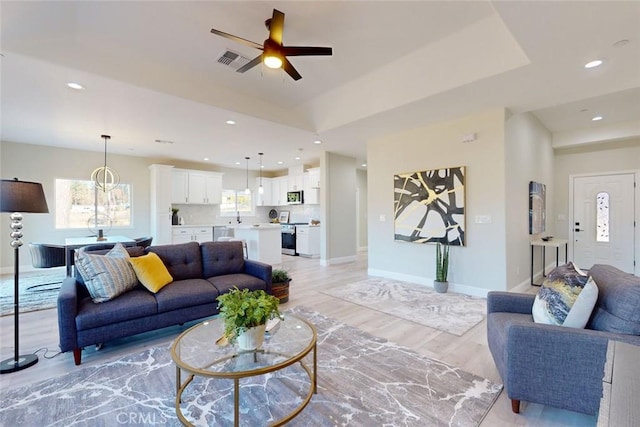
(273, 61)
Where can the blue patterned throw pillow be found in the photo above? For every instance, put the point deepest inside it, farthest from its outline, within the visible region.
(566, 298)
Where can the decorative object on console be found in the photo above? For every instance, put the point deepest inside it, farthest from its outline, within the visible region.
(537, 210)
(429, 206)
(566, 298)
(280, 284)
(284, 217)
(19, 197)
(243, 311)
(440, 284)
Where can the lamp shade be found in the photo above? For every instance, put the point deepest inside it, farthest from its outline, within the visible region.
(22, 196)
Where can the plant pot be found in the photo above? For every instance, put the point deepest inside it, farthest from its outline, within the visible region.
(281, 290)
(252, 338)
(440, 287)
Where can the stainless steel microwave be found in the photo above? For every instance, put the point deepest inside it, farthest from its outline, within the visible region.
(295, 197)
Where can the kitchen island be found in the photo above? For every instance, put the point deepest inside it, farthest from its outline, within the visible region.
(264, 241)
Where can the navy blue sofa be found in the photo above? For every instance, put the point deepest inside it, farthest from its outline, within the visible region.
(560, 366)
(201, 272)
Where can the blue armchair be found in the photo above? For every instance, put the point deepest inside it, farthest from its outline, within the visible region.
(560, 366)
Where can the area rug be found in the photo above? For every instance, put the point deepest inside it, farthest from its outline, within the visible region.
(448, 312)
(36, 298)
(362, 381)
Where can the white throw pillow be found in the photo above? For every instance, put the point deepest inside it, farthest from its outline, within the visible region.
(581, 311)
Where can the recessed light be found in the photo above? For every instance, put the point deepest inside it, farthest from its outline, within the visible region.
(596, 118)
(230, 122)
(297, 157)
(364, 165)
(76, 86)
(317, 141)
(164, 141)
(621, 43)
(280, 162)
(206, 159)
(593, 64)
(237, 163)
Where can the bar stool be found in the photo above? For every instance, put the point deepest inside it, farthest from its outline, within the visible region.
(245, 250)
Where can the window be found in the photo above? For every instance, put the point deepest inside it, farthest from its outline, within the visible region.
(76, 205)
(602, 217)
(236, 202)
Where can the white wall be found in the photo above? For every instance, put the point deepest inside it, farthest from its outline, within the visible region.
(529, 157)
(363, 217)
(338, 207)
(478, 267)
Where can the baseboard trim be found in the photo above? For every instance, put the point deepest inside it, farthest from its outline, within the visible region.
(426, 281)
(334, 261)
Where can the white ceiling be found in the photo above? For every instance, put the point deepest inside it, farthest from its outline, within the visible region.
(150, 72)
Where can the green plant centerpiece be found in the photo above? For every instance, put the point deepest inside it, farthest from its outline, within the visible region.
(245, 314)
(442, 268)
(280, 284)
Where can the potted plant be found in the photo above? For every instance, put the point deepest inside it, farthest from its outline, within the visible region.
(245, 315)
(442, 268)
(280, 284)
(174, 216)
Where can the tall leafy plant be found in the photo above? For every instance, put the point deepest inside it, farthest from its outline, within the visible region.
(442, 262)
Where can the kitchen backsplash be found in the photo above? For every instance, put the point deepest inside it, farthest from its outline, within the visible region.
(210, 214)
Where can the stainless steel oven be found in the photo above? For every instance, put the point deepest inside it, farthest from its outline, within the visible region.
(288, 239)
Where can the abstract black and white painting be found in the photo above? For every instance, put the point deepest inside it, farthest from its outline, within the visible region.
(429, 206)
(537, 210)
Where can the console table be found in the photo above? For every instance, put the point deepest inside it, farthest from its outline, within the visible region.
(620, 386)
(554, 243)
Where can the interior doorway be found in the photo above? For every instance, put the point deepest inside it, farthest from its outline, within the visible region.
(603, 220)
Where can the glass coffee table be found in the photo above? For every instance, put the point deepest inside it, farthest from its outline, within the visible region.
(195, 351)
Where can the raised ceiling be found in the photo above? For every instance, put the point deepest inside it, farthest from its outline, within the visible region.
(150, 73)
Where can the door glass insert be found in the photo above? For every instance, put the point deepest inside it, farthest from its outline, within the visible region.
(602, 217)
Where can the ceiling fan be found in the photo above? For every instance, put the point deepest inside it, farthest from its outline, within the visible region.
(274, 54)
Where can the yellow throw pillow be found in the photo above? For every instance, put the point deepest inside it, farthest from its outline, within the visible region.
(151, 271)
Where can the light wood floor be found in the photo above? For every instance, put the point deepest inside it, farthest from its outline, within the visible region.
(39, 331)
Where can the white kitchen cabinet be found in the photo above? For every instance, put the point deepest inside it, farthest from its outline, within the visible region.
(196, 187)
(312, 186)
(160, 203)
(266, 198)
(279, 190)
(295, 182)
(179, 186)
(308, 240)
(192, 234)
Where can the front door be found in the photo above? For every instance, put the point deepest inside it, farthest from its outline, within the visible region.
(603, 221)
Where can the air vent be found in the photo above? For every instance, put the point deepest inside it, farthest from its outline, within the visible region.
(232, 59)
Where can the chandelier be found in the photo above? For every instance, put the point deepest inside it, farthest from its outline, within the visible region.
(104, 177)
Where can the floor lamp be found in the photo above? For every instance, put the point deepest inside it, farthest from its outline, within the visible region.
(16, 197)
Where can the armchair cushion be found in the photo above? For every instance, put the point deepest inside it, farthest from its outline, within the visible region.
(618, 307)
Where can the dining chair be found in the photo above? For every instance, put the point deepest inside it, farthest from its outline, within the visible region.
(44, 255)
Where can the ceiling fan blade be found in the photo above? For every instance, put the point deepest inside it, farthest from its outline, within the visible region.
(276, 26)
(249, 65)
(237, 39)
(305, 51)
(286, 65)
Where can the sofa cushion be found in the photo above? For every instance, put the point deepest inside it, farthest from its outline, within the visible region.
(182, 260)
(618, 306)
(106, 276)
(186, 293)
(151, 271)
(566, 298)
(220, 258)
(226, 282)
(134, 304)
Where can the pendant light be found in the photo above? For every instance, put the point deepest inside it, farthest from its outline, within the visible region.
(247, 190)
(260, 188)
(104, 177)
